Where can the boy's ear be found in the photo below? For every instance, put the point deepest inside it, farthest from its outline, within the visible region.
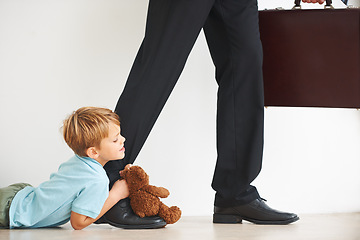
(92, 153)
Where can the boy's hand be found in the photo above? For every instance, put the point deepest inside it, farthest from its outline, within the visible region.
(119, 190)
(128, 166)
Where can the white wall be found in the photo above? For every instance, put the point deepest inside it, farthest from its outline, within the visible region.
(56, 56)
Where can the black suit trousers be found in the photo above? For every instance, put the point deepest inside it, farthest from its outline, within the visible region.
(232, 34)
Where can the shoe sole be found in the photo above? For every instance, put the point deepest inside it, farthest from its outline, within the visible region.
(233, 219)
(135, 226)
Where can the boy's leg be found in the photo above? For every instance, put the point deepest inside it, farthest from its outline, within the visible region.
(7, 194)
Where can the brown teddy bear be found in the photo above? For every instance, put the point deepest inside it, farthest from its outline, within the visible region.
(144, 198)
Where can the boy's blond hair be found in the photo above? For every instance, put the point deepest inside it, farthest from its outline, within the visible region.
(86, 127)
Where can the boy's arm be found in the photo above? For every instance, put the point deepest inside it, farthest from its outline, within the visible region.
(118, 191)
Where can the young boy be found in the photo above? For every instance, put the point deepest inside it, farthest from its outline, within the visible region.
(79, 190)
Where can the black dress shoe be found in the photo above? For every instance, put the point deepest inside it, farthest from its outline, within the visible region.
(256, 212)
(122, 216)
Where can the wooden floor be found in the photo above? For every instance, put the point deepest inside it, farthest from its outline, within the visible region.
(326, 226)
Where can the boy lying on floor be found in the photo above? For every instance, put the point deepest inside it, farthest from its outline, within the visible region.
(79, 191)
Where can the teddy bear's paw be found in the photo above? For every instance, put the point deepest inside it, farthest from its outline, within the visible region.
(171, 215)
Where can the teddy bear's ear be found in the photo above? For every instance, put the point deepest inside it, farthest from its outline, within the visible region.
(124, 173)
(139, 172)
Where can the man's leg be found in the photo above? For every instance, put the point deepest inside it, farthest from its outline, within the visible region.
(171, 30)
(233, 37)
(234, 42)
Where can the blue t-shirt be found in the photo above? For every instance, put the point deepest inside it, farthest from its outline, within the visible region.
(80, 185)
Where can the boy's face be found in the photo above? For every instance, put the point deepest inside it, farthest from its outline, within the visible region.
(112, 147)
